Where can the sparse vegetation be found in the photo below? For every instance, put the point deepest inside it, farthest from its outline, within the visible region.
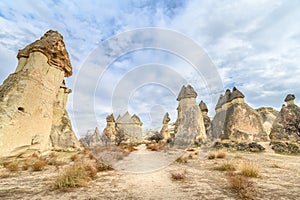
(182, 159)
(221, 154)
(249, 168)
(217, 154)
(13, 166)
(178, 175)
(242, 185)
(39, 165)
(227, 166)
(211, 155)
(74, 157)
(102, 167)
(76, 175)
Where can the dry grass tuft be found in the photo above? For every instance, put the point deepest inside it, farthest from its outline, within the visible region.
(91, 156)
(221, 154)
(102, 167)
(153, 146)
(211, 155)
(227, 166)
(179, 175)
(249, 168)
(74, 157)
(182, 159)
(242, 185)
(38, 165)
(13, 166)
(25, 165)
(76, 175)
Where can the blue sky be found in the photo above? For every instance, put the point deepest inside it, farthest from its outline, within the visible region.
(254, 45)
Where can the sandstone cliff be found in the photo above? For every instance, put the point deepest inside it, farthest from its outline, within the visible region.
(189, 124)
(287, 124)
(236, 120)
(33, 99)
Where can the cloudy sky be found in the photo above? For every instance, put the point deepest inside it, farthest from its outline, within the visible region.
(135, 55)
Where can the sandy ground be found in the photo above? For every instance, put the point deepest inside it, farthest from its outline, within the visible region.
(279, 179)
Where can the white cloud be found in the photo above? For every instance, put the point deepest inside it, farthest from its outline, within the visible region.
(255, 45)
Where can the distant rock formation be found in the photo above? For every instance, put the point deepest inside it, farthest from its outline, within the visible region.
(95, 139)
(111, 128)
(33, 99)
(267, 116)
(127, 125)
(131, 126)
(165, 131)
(189, 126)
(206, 118)
(235, 120)
(287, 124)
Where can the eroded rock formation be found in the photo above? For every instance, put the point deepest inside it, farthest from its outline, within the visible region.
(236, 120)
(131, 126)
(128, 127)
(33, 99)
(287, 124)
(95, 139)
(267, 116)
(111, 128)
(206, 118)
(189, 124)
(165, 131)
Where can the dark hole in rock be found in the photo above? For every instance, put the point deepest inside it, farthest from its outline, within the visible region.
(21, 109)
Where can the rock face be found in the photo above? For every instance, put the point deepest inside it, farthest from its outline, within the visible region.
(206, 118)
(95, 139)
(267, 116)
(287, 124)
(165, 131)
(33, 99)
(131, 126)
(111, 128)
(235, 120)
(189, 124)
(127, 125)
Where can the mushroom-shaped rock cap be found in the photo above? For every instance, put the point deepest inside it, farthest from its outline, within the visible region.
(166, 118)
(187, 92)
(236, 94)
(289, 97)
(53, 47)
(110, 118)
(203, 106)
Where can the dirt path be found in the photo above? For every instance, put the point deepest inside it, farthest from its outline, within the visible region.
(144, 160)
(279, 179)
